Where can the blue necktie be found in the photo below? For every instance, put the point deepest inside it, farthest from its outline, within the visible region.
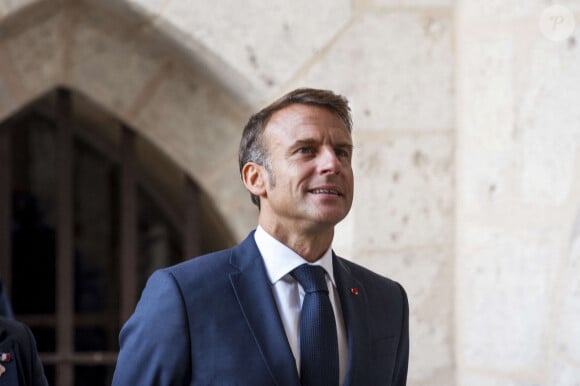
(318, 341)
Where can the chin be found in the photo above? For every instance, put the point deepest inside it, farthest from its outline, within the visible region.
(332, 218)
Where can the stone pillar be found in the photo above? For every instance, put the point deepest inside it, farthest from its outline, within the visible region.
(518, 194)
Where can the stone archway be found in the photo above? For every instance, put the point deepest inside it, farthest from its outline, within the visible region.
(95, 210)
(109, 52)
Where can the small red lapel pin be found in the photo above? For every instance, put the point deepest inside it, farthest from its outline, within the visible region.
(5, 357)
(354, 291)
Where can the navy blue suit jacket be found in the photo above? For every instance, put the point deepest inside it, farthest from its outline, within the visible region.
(213, 320)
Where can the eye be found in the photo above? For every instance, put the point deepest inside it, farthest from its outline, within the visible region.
(306, 150)
(341, 152)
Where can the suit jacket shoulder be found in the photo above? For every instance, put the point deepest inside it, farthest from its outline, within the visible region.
(374, 281)
(209, 320)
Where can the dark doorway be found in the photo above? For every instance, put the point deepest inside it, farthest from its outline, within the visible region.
(88, 209)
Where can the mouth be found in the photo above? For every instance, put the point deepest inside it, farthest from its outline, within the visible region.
(326, 191)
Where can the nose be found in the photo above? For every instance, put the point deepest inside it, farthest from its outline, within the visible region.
(329, 162)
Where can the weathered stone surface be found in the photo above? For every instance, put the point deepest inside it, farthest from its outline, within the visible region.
(564, 373)
(8, 7)
(267, 43)
(7, 102)
(549, 121)
(36, 54)
(494, 379)
(105, 54)
(404, 193)
(517, 165)
(519, 137)
(413, 3)
(193, 121)
(507, 280)
(488, 159)
(494, 11)
(568, 328)
(396, 68)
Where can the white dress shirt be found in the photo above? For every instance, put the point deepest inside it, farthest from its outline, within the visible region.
(289, 294)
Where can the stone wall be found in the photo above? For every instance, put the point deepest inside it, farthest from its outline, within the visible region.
(518, 197)
(466, 144)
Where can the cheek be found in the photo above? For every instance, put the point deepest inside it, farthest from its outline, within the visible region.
(349, 176)
(298, 174)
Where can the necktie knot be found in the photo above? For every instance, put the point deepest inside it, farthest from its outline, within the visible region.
(311, 278)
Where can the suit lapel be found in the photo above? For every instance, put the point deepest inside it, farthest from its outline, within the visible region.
(354, 308)
(252, 288)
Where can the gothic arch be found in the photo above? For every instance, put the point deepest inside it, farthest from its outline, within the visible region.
(132, 66)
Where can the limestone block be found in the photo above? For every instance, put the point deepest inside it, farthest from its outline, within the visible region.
(150, 8)
(565, 374)
(404, 191)
(497, 10)
(396, 68)
(499, 14)
(477, 12)
(493, 379)
(12, 96)
(568, 330)
(36, 53)
(519, 137)
(7, 102)
(265, 42)
(10, 6)
(488, 159)
(505, 295)
(431, 361)
(549, 121)
(111, 63)
(414, 3)
(193, 121)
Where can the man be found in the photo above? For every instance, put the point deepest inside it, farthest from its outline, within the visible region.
(238, 316)
(19, 361)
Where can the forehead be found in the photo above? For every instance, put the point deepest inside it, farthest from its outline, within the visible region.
(299, 121)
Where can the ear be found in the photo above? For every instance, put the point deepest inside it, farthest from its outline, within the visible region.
(254, 177)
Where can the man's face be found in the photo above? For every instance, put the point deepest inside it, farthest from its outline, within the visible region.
(311, 180)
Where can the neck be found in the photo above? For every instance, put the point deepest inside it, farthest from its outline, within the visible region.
(308, 244)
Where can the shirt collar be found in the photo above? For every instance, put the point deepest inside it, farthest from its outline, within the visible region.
(281, 260)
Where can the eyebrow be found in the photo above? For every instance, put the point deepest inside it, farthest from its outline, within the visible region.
(311, 141)
(346, 145)
(301, 142)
